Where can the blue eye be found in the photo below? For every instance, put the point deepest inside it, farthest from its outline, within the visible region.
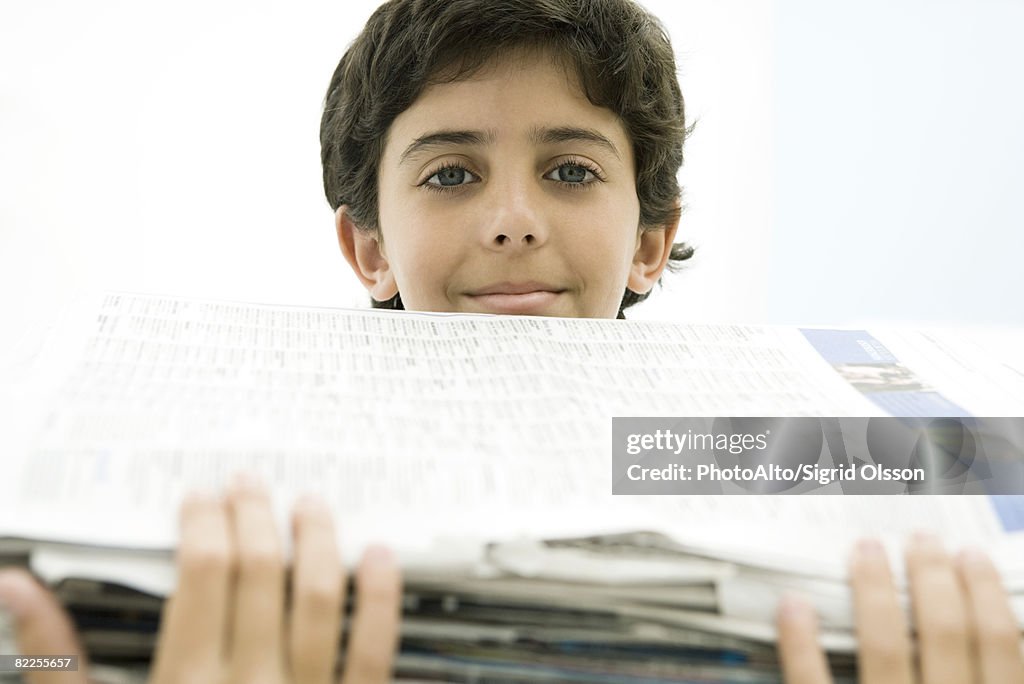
(450, 177)
(574, 175)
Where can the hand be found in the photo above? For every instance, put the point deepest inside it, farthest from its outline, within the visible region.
(227, 621)
(966, 630)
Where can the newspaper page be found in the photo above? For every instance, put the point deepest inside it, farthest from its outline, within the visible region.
(405, 421)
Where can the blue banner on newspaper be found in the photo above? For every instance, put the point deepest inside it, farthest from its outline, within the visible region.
(732, 455)
(871, 368)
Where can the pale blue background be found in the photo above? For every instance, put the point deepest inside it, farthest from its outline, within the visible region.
(899, 161)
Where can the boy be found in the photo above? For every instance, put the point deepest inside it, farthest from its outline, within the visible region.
(516, 157)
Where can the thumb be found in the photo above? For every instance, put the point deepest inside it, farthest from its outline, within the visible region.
(41, 625)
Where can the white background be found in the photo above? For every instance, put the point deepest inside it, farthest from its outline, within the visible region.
(848, 165)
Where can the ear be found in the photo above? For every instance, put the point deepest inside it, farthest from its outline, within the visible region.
(653, 247)
(365, 254)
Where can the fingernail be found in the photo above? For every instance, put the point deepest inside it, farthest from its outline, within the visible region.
(245, 481)
(974, 557)
(794, 607)
(311, 502)
(870, 549)
(924, 538)
(377, 555)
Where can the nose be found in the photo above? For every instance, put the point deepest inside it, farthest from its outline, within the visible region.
(515, 219)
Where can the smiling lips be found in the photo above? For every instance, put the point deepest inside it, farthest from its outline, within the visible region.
(516, 298)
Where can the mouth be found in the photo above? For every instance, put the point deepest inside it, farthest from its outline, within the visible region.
(516, 298)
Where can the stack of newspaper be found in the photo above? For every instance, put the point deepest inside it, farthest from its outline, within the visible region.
(479, 448)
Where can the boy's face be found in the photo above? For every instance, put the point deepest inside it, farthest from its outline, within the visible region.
(508, 192)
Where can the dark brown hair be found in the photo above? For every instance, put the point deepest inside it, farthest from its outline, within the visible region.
(621, 54)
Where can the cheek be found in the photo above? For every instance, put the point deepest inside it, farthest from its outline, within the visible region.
(400, 225)
(419, 252)
(606, 239)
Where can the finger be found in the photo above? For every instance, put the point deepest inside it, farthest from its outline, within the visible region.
(803, 661)
(42, 627)
(374, 637)
(258, 620)
(884, 655)
(996, 634)
(940, 613)
(193, 627)
(317, 594)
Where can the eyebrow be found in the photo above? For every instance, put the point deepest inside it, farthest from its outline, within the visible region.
(550, 136)
(538, 136)
(442, 138)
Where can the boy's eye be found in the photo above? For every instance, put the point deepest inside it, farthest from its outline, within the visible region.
(572, 173)
(450, 177)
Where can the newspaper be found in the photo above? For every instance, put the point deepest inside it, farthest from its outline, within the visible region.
(405, 421)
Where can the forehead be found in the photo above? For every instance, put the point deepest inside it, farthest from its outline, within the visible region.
(509, 99)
